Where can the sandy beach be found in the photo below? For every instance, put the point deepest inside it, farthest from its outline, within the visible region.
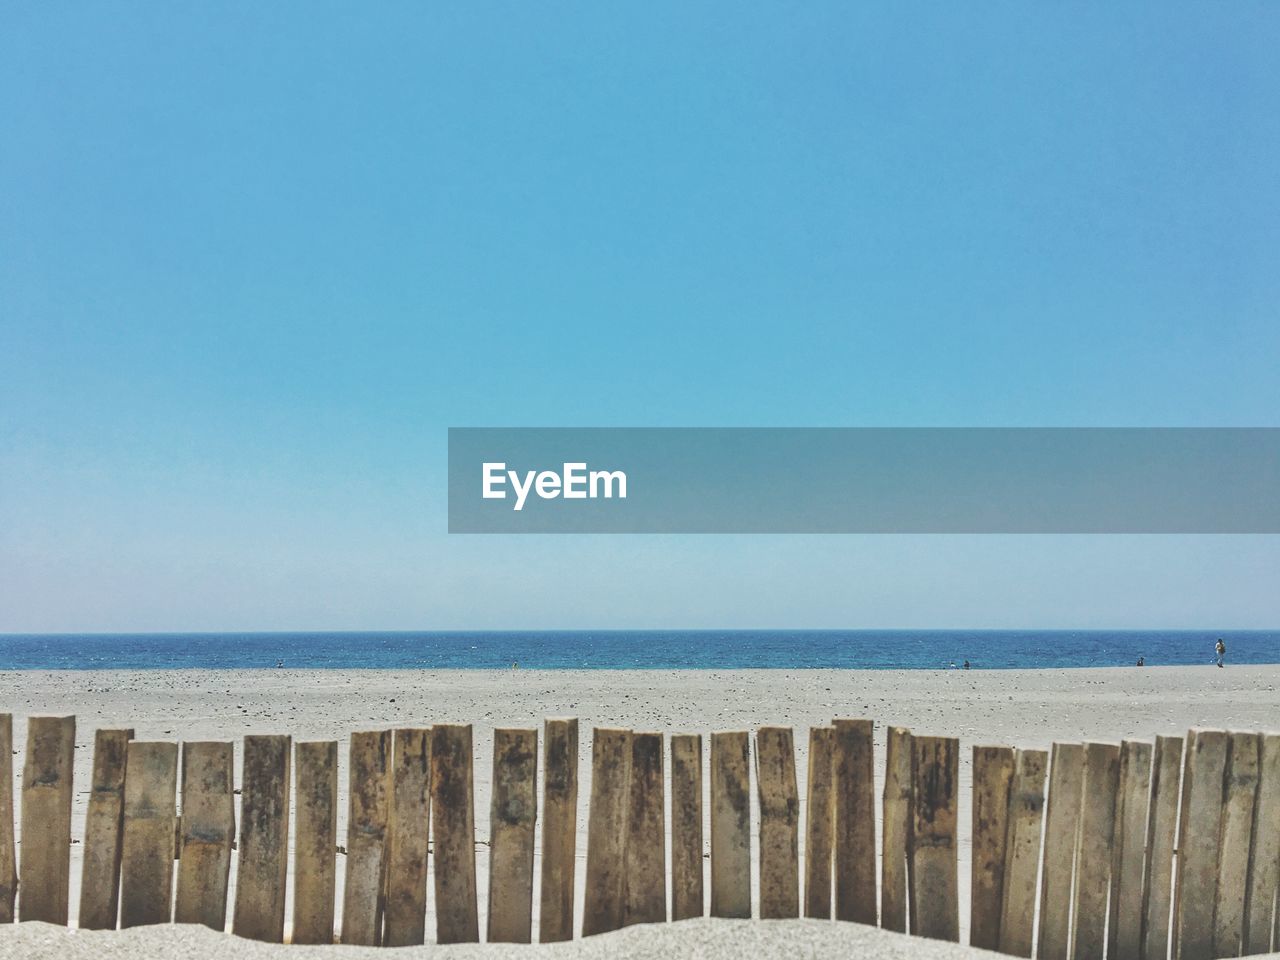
(1021, 708)
(704, 939)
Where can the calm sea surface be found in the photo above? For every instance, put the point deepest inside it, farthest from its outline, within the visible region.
(634, 649)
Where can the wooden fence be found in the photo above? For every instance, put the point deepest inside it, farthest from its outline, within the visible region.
(1142, 850)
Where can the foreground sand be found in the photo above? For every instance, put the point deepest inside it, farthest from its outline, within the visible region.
(710, 939)
(1022, 708)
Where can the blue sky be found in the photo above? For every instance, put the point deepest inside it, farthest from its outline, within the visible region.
(255, 259)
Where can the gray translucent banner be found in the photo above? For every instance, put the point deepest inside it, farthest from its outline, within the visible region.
(838, 480)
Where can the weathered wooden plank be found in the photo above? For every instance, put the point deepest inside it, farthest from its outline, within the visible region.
(315, 869)
(208, 828)
(1093, 857)
(1061, 830)
(1260, 906)
(992, 779)
(731, 825)
(409, 821)
(454, 827)
(513, 813)
(146, 863)
(262, 854)
(368, 816)
(686, 827)
(855, 836)
(935, 768)
(1157, 897)
(45, 870)
(1198, 838)
(8, 850)
(559, 830)
(1128, 851)
(1236, 844)
(819, 824)
(603, 908)
(896, 839)
(645, 860)
(779, 800)
(103, 832)
(1022, 864)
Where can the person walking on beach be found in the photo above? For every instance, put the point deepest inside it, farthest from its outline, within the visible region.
(1220, 649)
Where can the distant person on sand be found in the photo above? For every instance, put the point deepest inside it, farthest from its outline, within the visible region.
(966, 664)
(1220, 649)
(1142, 661)
(952, 665)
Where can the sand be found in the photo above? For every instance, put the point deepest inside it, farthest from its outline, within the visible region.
(705, 939)
(1017, 707)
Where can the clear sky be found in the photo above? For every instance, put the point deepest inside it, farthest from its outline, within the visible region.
(256, 258)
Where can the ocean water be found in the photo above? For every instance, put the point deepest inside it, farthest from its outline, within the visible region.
(635, 649)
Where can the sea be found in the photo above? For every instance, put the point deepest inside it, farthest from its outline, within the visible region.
(635, 649)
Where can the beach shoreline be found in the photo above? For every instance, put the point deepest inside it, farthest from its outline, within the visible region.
(662, 649)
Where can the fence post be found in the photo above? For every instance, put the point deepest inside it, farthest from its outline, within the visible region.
(559, 829)
(407, 840)
(1198, 835)
(8, 857)
(262, 854)
(46, 819)
(935, 767)
(1061, 830)
(1093, 863)
(103, 832)
(1128, 851)
(992, 779)
(819, 824)
(1157, 893)
(1265, 876)
(645, 877)
(855, 843)
(513, 812)
(208, 828)
(731, 825)
(1026, 820)
(454, 826)
(894, 884)
(146, 869)
(1236, 844)
(779, 823)
(368, 810)
(686, 827)
(603, 908)
(315, 869)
